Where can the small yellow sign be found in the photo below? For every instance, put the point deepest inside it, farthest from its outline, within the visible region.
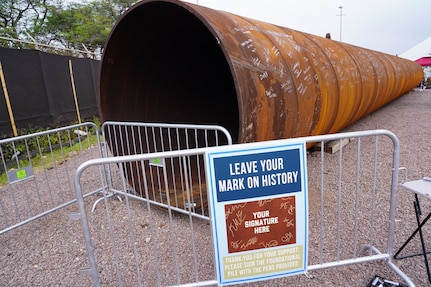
(20, 174)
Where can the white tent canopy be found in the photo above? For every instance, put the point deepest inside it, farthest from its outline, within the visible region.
(421, 50)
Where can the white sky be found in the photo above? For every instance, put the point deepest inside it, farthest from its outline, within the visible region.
(389, 26)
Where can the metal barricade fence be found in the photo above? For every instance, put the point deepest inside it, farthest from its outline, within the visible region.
(352, 206)
(125, 138)
(37, 171)
(128, 138)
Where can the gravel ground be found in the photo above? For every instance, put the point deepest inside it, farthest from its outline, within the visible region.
(51, 250)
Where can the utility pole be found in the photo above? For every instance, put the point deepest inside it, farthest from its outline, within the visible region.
(341, 21)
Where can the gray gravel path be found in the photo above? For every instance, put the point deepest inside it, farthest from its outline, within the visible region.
(50, 251)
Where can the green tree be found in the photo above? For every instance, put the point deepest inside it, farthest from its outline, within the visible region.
(17, 17)
(73, 25)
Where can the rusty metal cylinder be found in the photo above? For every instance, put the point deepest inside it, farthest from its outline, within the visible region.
(176, 62)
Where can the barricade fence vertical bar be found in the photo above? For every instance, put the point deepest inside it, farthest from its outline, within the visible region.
(351, 212)
(38, 169)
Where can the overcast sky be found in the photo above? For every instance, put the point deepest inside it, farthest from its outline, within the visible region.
(389, 26)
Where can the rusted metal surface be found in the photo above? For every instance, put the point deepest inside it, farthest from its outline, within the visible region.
(170, 61)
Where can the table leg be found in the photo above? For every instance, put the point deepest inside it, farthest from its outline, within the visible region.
(417, 211)
(420, 224)
(410, 238)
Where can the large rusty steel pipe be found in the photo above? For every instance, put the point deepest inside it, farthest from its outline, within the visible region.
(176, 62)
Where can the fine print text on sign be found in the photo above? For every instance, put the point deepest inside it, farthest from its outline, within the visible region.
(263, 262)
(259, 208)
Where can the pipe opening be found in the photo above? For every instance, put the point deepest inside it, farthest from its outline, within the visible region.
(162, 64)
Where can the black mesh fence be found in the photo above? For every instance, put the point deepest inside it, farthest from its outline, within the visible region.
(40, 89)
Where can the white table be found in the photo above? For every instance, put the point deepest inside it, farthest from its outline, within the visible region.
(420, 187)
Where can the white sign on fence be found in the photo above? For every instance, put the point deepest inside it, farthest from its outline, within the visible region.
(259, 210)
(15, 175)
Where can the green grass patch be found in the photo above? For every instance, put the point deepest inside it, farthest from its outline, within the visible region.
(47, 152)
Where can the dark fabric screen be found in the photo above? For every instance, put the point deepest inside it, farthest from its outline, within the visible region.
(40, 89)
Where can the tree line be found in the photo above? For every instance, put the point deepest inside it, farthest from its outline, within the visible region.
(61, 26)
